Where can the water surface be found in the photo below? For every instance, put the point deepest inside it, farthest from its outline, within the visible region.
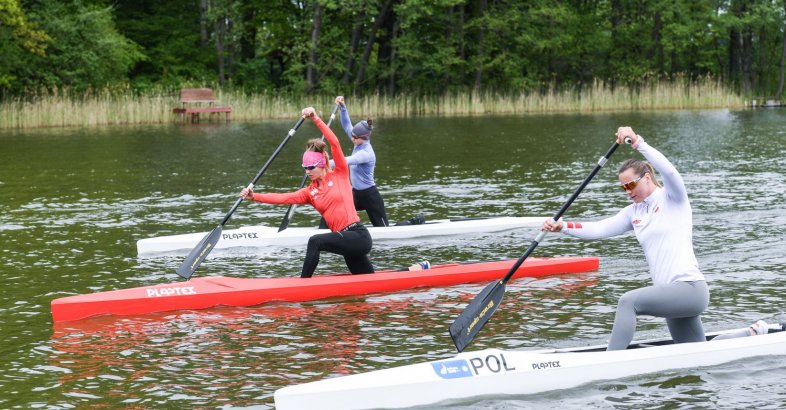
(75, 201)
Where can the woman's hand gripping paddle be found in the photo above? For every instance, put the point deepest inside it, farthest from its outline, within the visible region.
(291, 209)
(203, 248)
(479, 311)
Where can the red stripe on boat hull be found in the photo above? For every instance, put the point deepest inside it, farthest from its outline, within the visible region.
(202, 293)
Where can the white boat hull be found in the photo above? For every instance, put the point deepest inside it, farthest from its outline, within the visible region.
(499, 373)
(262, 236)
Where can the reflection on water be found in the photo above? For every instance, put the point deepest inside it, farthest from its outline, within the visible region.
(185, 356)
(75, 202)
(225, 355)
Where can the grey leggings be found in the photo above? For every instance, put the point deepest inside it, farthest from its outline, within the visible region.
(680, 303)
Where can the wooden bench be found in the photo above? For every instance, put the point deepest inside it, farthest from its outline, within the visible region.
(194, 100)
(765, 102)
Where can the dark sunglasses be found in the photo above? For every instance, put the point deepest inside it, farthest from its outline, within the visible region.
(632, 184)
(312, 166)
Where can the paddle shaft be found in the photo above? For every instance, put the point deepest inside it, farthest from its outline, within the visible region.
(601, 162)
(264, 168)
(469, 323)
(203, 248)
(291, 209)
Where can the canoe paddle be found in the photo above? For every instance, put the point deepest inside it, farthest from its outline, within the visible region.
(291, 209)
(207, 244)
(479, 311)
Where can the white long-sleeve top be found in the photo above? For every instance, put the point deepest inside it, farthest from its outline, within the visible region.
(663, 224)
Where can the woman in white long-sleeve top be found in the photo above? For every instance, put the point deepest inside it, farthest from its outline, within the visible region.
(662, 220)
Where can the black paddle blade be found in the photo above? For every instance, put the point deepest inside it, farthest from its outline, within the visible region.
(476, 314)
(284, 224)
(287, 218)
(199, 253)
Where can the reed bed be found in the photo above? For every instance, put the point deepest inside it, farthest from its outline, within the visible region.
(59, 108)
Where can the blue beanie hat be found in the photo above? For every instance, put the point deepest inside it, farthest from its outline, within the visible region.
(362, 130)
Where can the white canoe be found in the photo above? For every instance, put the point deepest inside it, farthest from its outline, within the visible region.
(261, 236)
(498, 373)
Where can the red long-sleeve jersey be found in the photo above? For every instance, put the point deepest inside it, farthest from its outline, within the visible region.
(331, 195)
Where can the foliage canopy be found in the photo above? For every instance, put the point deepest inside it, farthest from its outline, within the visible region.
(388, 47)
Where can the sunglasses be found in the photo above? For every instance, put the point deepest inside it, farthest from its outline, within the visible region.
(312, 166)
(629, 186)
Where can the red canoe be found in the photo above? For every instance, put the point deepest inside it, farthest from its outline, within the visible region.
(201, 293)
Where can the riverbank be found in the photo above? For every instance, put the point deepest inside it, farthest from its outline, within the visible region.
(63, 109)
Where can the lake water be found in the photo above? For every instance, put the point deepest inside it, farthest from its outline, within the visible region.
(75, 201)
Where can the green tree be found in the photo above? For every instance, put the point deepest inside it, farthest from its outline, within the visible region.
(390, 47)
(86, 50)
(171, 36)
(431, 56)
(18, 38)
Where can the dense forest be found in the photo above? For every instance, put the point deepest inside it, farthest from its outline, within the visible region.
(388, 47)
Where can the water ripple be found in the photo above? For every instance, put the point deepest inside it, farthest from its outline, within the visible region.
(81, 238)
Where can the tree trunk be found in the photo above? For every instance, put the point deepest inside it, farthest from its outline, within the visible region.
(761, 73)
(353, 48)
(747, 61)
(481, 50)
(385, 52)
(656, 52)
(737, 47)
(230, 49)
(370, 44)
(461, 35)
(735, 56)
(220, 27)
(616, 20)
(203, 22)
(248, 37)
(313, 55)
(616, 15)
(783, 68)
(392, 77)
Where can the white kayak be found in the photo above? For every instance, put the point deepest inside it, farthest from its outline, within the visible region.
(261, 236)
(498, 373)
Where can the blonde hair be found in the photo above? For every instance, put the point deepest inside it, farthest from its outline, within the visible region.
(318, 145)
(639, 167)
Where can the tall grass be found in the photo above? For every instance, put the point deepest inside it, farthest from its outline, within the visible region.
(58, 108)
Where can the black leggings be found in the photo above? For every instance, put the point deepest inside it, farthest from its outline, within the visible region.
(354, 244)
(370, 200)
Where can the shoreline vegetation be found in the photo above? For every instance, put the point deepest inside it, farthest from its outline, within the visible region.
(124, 107)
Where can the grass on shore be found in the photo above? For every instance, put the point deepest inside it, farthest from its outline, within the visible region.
(62, 109)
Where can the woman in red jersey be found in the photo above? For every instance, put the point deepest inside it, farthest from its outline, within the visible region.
(330, 193)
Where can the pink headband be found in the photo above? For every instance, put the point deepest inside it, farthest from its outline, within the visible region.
(313, 159)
